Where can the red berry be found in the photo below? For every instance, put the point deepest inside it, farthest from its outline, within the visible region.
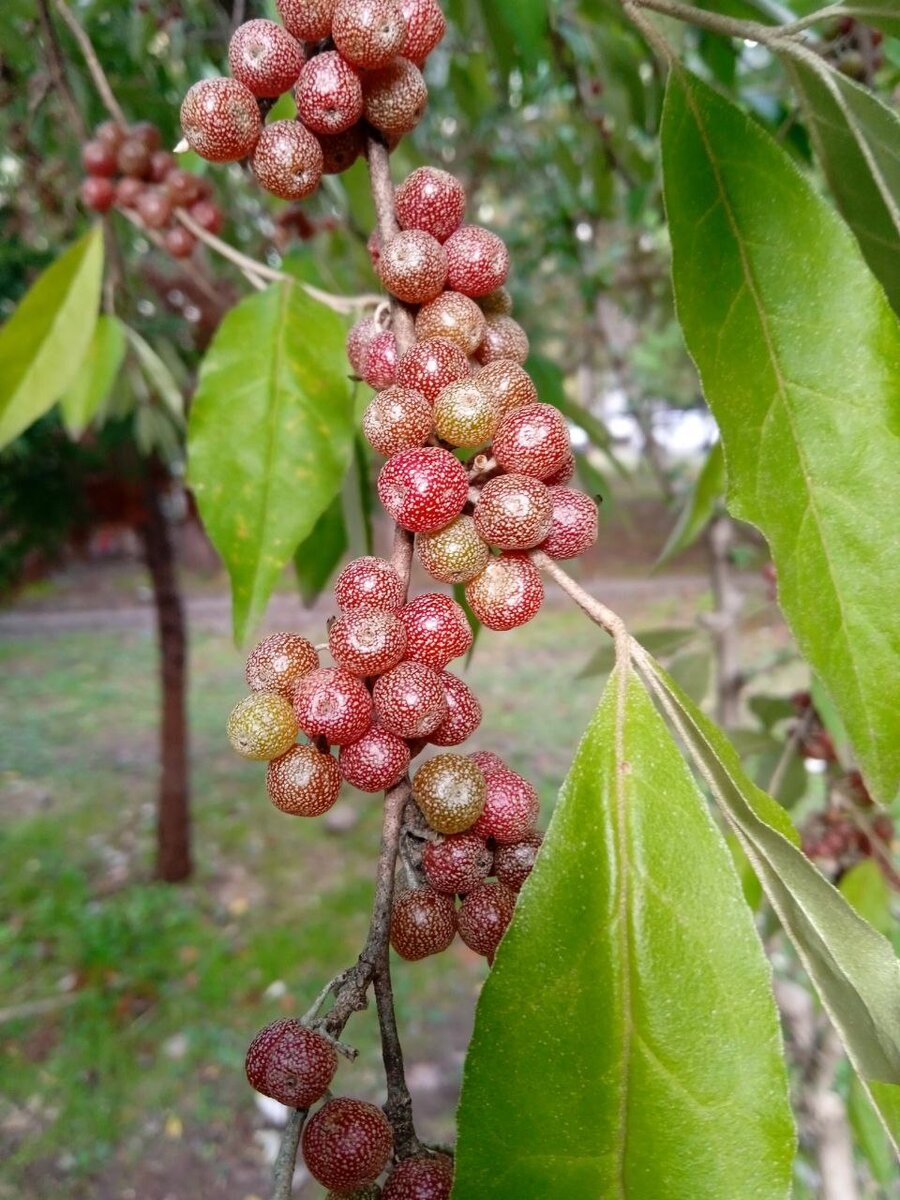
(532, 440)
(183, 187)
(147, 132)
(347, 1143)
(305, 782)
(513, 862)
(291, 1063)
(98, 194)
(425, 26)
(430, 366)
(128, 191)
(369, 582)
(333, 704)
(110, 134)
(208, 216)
(376, 762)
(449, 790)
(507, 593)
(463, 716)
(457, 863)
(265, 58)
(410, 700)
(428, 1178)
(161, 165)
(574, 525)
(397, 419)
(488, 761)
(511, 807)
(380, 367)
(484, 916)
(358, 341)
(413, 266)
(154, 208)
(508, 384)
(133, 158)
(423, 489)
(464, 415)
(263, 726)
(423, 922)
(454, 554)
(287, 160)
(369, 33)
(436, 630)
(341, 150)
(514, 512)
(432, 200)
(99, 159)
(307, 20)
(279, 662)
(455, 317)
(504, 338)
(477, 261)
(395, 97)
(329, 94)
(564, 474)
(180, 242)
(220, 119)
(367, 641)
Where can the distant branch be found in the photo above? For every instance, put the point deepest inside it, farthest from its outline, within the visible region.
(93, 62)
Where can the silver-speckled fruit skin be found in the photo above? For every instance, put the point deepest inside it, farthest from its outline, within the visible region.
(450, 790)
(262, 726)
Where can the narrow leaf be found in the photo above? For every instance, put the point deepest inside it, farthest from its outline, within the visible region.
(700, 506)
(662, 642)
(517, 29)
(317, 557)
(158, 376)
(83, 399)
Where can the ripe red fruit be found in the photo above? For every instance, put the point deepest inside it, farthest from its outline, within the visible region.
(127, 192)
(463, 715)
(395, 97)
(436, 630)
(428, 1178)
(511, 807)
(307, 20)
(454, 554)
(154, 208)
(367, 641)
(397, 419)
(488, 761)
(504, 338)
(450, 790)
(508, 384)
(347, 1143)
(180, 242)
(110, 134)
(98, 194)
(279, 662)
(430, 366)
(413, 266)
(183, 187)
(369, 33)
(464, 415)
(133, 158)
(457, 863)
(455, 317)
(564, 474)
(265, 58)
(290, 1063)
(329, 94)
(432, 200)
(532, 440)
(369, 582)
(425, 26)
(513, 862)
(220, 119)
(287, 160)
(341, 150)
(477, 261)
(484, 916)
(423, 922)
(208, 216)
(376, 762)
(262, 726)
(358, 341)
(409, 700)
(305, 782)
(161, 164)
(514, 512)
(574, 525)
(333, 704)
(380, 367)
(507, 593)
(146, 132)
(99, 159)
(424, 488)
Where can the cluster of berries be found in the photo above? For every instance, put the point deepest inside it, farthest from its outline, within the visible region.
(353, 67)
(128, 169)
(855, 49)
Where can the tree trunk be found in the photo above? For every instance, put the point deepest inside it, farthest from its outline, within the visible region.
(173, 817)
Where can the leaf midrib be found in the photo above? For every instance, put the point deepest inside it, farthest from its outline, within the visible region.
(621, 815)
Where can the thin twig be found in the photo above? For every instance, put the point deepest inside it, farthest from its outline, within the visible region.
(186, 265)
(285, 1163)
(383, 194)
(101, 83)
(599, 613)
(56, 63)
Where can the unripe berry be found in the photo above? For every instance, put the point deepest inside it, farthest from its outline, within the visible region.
(574, 525)
(128, 192)
(369, 33)
(265, 58)
(382, 357)
(290, 1063)
(454, 554)
(484, 916)
(464, 415)
(133, 158)
(369, 582)
(430, 366)
(533, 440)
(513, 862)
(341, 150)
(367, 641)
(457, 863)
(98, 194)
(220, 119)
(99, 159)
(432, 200)
(423, 922)
(507, 593)
(511, 807)
(508, 384)
(410, 700)
(183, 187)
(307, 20)
(154, 208)
(423, 489)
(376, 762)
(463, 713)
(477, 261)
(497, 303)
(425, 26)
(279, 662)
(395, 97)
(564, 474)
(304, 782)
(263, 726)
(428, 1178)
(329, 94)
(287, 160)
(208, 215)
(455, 317)
(333, 704)
(450, 790)
(347, 1143)
(436, 630)
(514, 512)
(413, 266)
(504, 338)
(397, 419)
(180, 242)
(487, 760)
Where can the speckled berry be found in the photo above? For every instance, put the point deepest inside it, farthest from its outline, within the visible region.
(464, 415)
(376, 762)
(99, 159)
(430, 366)
(347, 1143)
(307, 20)
(484, 917)
(368, 33)
(504, 338)
(382, 360)
(507, 593)
(477, 261)
(263, 726)
(532, 440)
(397, 419)
(369, 1191)
(367, 641)
(413, 266)
(513, 862)
(265, 58)
(573, 528)
(514, 512)
(457, 863)
(358, 341)
(179, 242)
(463, 713)
(333, 704)
(220, 119)
(511, 807)
(564, 474)
(496, 303)
(98, 194)
(395, 97)
(426, 1178)
(154, 208)
(425, 26)
(279, 662)
(329, 94)
(341, 150)
(487, 760)
(290, 1063)
(134, 157)
(208, 216)
(508, 384)
(410, 700)
(455, 317)
(287, 161)
(432, 200)
(450, 791)
(454, 554)
(305, 782)
(423, 922)
(437, 630)
(369, 582)
(423, 489)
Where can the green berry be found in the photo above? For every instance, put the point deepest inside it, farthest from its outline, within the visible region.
(450, 790)
(262, 726)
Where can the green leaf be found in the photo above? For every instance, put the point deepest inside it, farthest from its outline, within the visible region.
(518, 31)
(662, 643)
(270, 436)
(317, 557)
(626, 1042)
(856, 139)
(459, 595)
(83, 399)
(870, 1136)
(157, 375)
(771, 710)
(804, 387)
(866, 890)
(692, 672)
(700, 506)
(44, 343)
(880, 13)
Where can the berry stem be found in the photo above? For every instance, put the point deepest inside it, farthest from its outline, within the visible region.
(198, 277)
(286, 1162)
(598, 613)
(101, 83)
